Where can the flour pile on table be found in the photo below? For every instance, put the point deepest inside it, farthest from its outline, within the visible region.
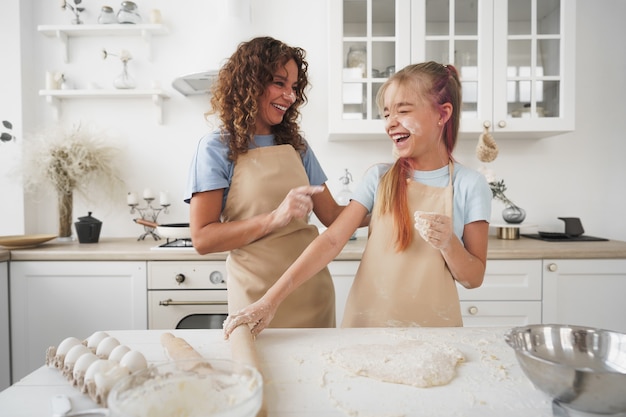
(411, 362)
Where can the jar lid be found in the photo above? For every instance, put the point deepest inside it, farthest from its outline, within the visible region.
(107, 9)
(88, 219)
(129, 5)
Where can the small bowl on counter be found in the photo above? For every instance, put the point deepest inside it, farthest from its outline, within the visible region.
(581, 368)
(194, 388)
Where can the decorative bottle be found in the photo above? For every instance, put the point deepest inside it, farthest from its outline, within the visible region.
(345, 194)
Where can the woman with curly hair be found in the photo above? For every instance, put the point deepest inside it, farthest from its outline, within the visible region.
(253, 182)
(430, 214)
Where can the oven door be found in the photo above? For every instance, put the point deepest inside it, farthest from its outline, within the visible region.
(187, 309)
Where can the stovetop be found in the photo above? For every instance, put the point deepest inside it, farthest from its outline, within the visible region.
(171, 244)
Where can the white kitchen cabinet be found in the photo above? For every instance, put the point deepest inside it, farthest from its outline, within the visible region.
(5, 355)
(509, 296)
(54, 300)
(516, 59)
(585, 292)
(343, 273)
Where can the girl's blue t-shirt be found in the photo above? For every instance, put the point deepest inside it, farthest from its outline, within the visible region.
(471, 193)
(211, 169)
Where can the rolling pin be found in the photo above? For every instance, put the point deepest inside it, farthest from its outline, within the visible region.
(244, 352)
(179, 350)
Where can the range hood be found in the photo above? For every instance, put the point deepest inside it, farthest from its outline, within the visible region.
(194, 84)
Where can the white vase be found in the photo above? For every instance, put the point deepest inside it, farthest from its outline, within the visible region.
(124, 80)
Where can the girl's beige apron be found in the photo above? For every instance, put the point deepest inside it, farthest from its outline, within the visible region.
(261, 179)
(410, 288)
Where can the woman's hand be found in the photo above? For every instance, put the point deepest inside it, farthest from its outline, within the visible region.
(435, 228)
(297, 204)
(257, 316)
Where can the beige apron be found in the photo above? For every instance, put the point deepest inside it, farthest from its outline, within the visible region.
(261, 179)
(409, 288)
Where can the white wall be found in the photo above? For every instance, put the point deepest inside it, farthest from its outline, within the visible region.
(579, 174)
(11, 195)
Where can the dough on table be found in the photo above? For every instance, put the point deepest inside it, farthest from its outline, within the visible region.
(411, 362)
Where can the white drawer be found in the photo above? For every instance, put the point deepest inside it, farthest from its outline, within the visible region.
(507, 280)
(500, 313)
(192, 274)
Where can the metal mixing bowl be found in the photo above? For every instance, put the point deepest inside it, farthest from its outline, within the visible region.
(580, 367)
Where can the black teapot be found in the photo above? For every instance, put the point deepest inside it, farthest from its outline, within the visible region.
(88, 229)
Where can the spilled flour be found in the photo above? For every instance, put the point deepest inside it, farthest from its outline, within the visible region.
(411, 362)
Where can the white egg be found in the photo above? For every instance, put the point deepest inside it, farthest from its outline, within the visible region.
(81, 365)
(118, 353)
(73, 354)
(134, 361)
(67, 344)
(96, 367)
(106, 346)
(95, 339)
(60, 351)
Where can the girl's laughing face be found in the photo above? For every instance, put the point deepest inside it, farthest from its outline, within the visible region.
(279, 95)
(412, 124)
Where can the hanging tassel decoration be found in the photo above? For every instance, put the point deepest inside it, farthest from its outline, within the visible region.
(487, 149)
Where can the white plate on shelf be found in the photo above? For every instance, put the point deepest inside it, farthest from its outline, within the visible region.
(24, 241)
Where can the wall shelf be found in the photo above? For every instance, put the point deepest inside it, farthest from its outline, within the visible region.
(55, 97)
(64, 32)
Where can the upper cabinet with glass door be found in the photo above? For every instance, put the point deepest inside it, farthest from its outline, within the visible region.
(515, 57)
(369, 39)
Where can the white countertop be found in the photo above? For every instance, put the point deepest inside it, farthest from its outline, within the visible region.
(300, 380)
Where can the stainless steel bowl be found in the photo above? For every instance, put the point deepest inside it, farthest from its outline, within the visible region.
(580, 367)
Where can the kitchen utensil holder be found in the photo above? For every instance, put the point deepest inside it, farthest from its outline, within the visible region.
(149, 213)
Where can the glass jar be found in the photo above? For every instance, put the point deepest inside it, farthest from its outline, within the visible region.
(107, 15)
(357, 58)
(128, 13)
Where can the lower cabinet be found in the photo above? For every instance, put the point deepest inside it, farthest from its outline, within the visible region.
(585, 292)
(510, 294)
(54, 300)
(343, 273)
(5, 356)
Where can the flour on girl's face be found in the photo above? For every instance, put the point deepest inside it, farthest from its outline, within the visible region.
(410, 124)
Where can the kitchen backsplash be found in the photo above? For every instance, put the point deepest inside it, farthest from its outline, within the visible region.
(566, 175)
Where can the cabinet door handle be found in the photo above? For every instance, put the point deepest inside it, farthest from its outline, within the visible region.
(502, 124)
(473, 310)
(170, 302)
(552, 267)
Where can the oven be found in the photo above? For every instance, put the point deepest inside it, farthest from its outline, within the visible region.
(187, 294)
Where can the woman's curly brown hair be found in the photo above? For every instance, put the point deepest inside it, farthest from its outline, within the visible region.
(240, 83)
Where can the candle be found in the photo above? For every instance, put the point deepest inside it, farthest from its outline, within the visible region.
(148, 194)
(164, 199)
(131, 199)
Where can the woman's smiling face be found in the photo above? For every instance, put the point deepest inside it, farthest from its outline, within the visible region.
(279, 95)
(413, 125)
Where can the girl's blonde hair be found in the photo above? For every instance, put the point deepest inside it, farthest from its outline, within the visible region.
(436, 84)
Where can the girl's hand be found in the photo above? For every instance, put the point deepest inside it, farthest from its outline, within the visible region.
(435, 228)
(257, 316)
